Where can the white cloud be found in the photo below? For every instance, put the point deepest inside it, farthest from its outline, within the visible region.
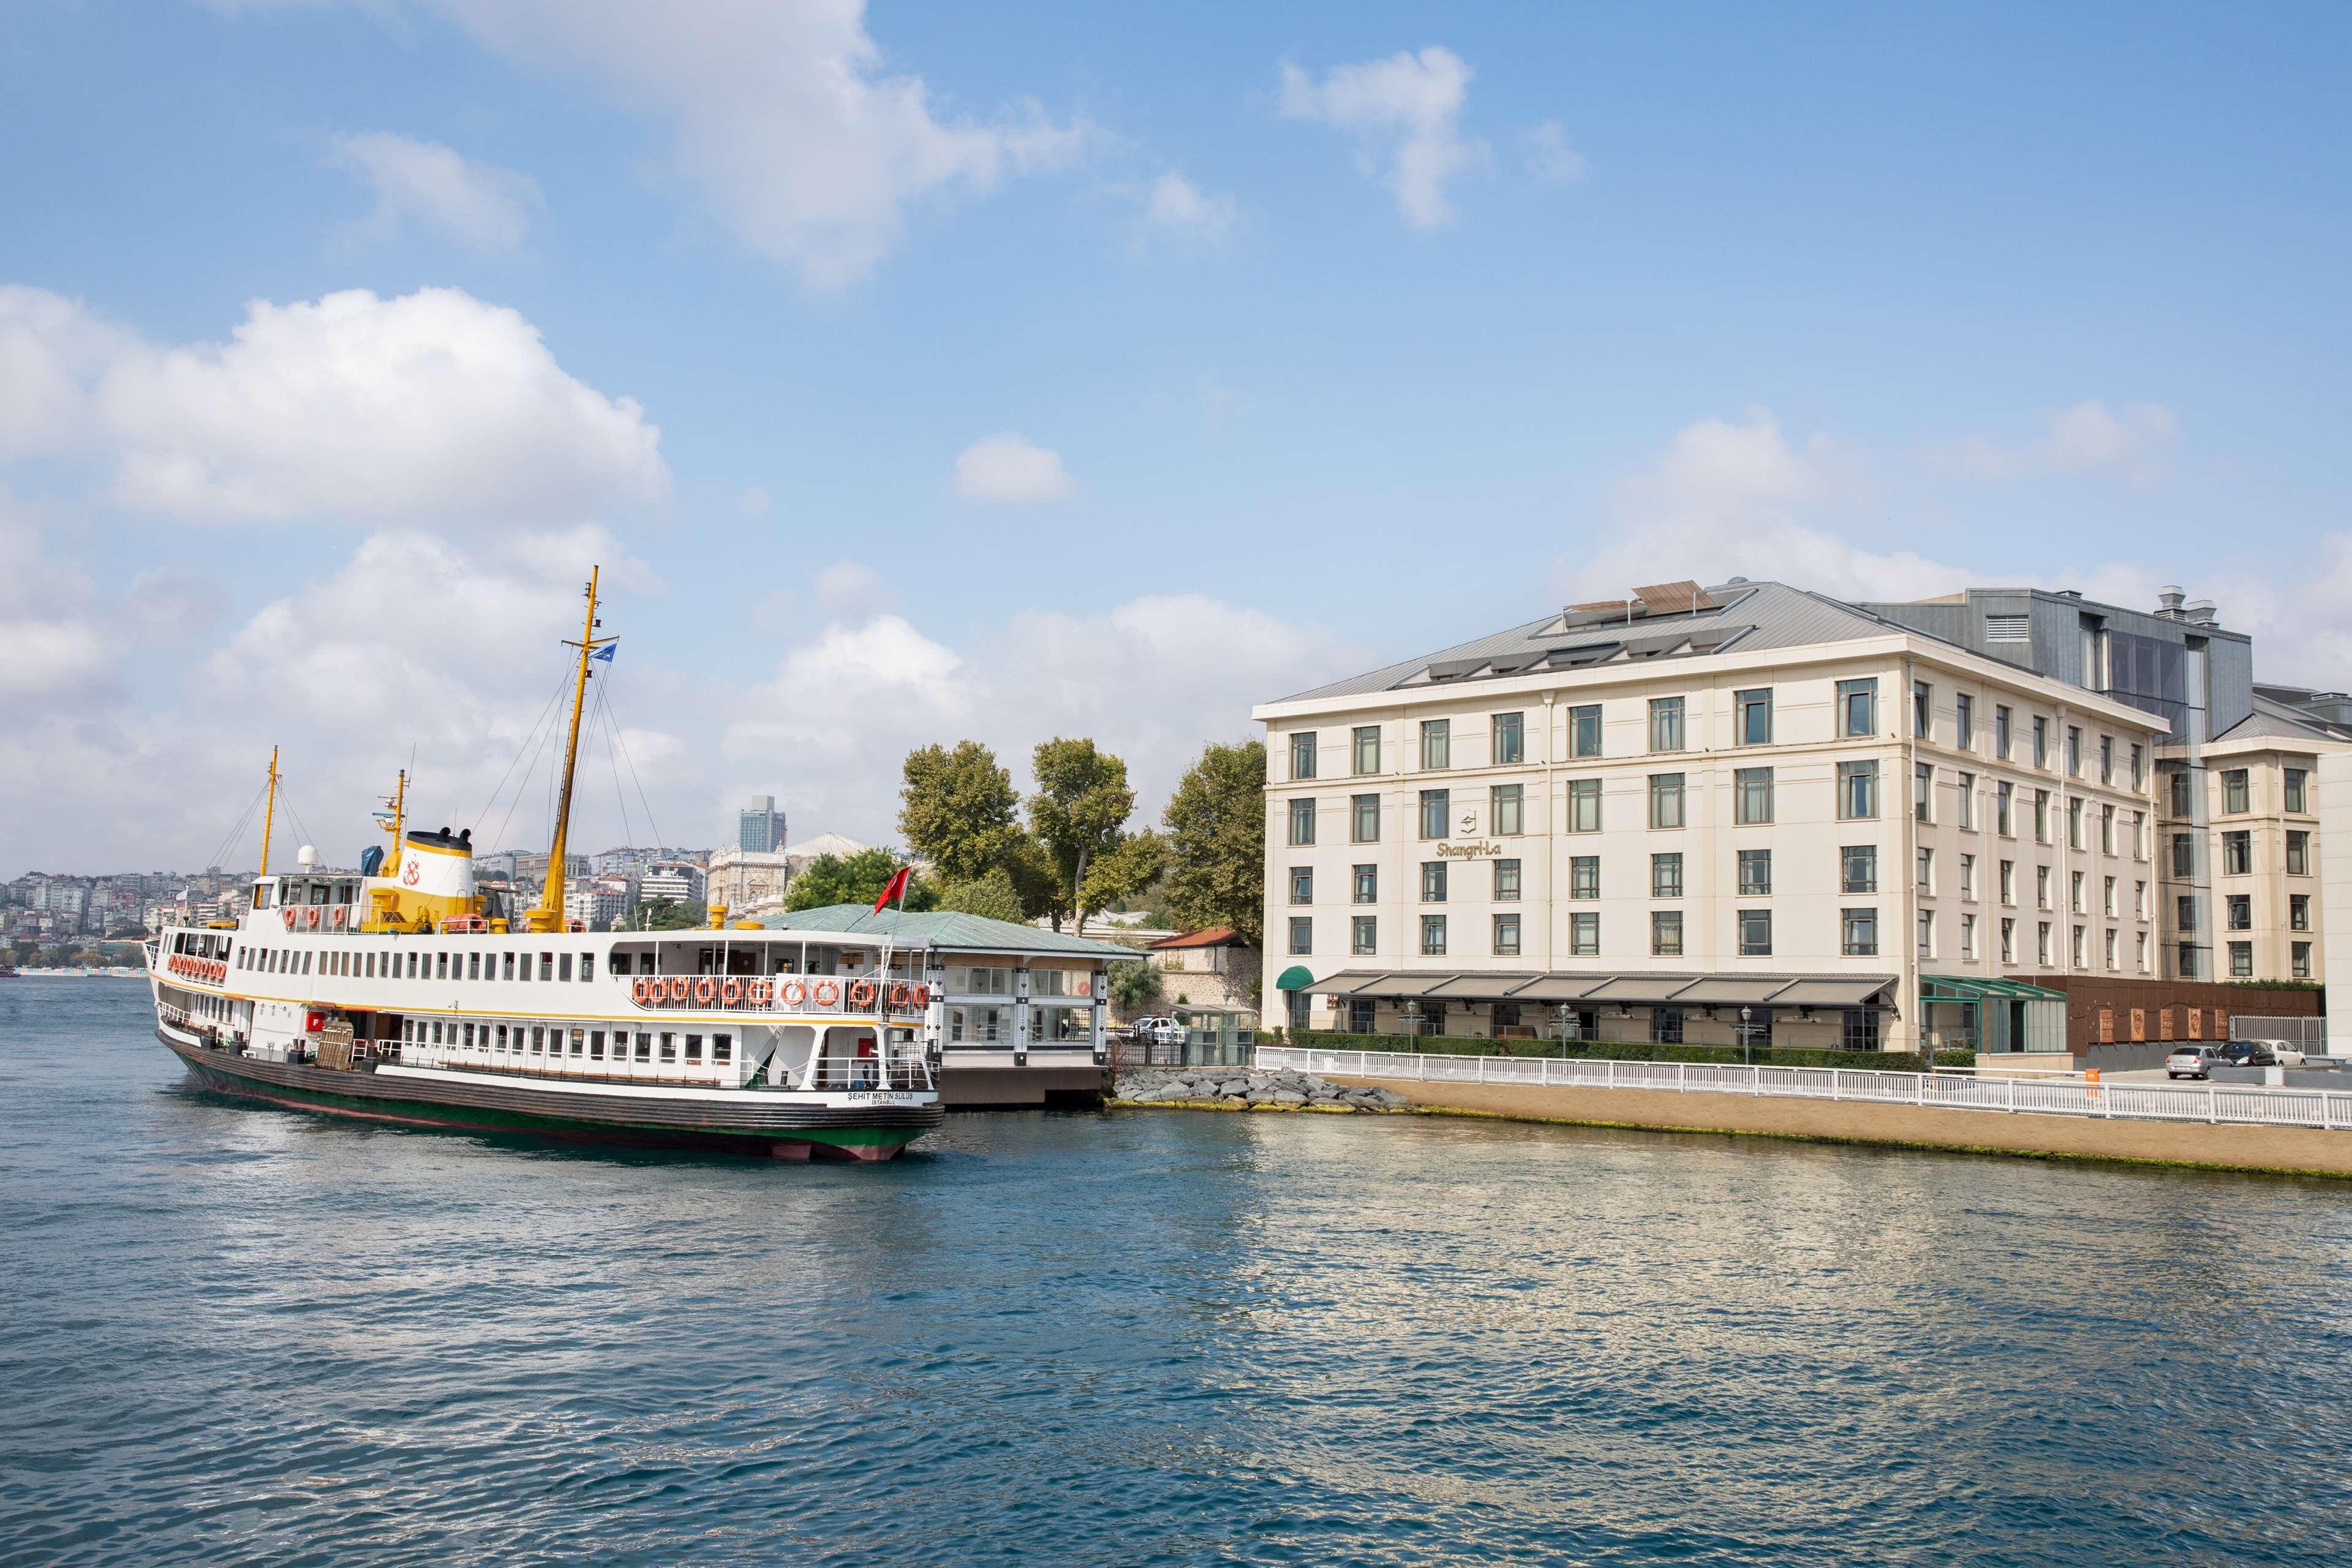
(1007, 468)
(2076, 440)
(1404, 112)
(52, 648)
(1549, 157)
(479, 205)
(1178, 206)
(782, 113)
(432, 406)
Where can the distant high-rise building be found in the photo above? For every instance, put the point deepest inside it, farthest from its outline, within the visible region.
(761, 826)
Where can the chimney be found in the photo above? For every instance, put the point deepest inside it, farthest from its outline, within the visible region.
(2169, 600)
(2203, 614)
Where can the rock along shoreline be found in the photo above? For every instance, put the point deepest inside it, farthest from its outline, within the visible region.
(1239, 1088)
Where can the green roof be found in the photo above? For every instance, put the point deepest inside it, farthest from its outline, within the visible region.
(944, 929)
(1297, 977)
(1975, 988)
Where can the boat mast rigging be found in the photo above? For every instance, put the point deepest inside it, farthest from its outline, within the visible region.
(269, 813)
(548, 916)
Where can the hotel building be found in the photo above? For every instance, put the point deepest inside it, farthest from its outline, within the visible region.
(1700, 814)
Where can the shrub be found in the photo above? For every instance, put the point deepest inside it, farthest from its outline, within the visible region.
(1600, 1050)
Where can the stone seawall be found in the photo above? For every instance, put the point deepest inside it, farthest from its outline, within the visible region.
(2267, 1149)
(1240, 1088)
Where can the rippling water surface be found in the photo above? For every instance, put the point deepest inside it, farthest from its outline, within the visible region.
(234, 1333)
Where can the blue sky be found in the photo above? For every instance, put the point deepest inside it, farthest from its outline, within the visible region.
(1328, 333)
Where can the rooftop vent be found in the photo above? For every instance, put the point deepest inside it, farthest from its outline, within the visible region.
(2169, 600)
(2203, 614)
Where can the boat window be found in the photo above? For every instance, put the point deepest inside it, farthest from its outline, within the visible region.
(441, 966)
(669, 1047)
(509, 966)
(306, 963)
(502, 1038)
(563, 967)
(596, 1044)
(587, 966)
(547, 966)
(645, 1047)
(694, 1048)
(722, 1048)
(537, 1038)
(473, 967)
(579, 1038)
(620, 963)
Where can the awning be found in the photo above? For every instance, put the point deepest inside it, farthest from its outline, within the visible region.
(1406, 986)
(1979, 988)
(1559, 987)
(1484, 986)
(1733, 991)
(1632, 989)
(1297, 977)
(1833, 992)
(1348, 981)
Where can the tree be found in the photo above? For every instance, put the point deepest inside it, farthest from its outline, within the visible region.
(991, 894)
(1127, 868)
(1134, 988)
(671, 914)
(1216, 837)
(959, 810)
(854, 880)
(1079, 813)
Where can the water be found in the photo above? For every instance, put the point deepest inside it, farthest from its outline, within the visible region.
(238, 1335)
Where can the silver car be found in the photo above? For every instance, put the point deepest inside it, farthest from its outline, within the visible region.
(2191, 1061)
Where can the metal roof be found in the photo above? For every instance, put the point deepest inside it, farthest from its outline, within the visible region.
(947, 928)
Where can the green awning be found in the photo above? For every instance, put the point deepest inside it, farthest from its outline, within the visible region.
(1978, 988)
(1294, 978)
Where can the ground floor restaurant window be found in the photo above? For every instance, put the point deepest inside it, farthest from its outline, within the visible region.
(979, 1026)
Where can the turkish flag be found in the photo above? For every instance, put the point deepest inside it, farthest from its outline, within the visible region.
(896, 888)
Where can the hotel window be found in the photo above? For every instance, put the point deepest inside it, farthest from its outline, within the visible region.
(2178, 788)
(1432, 936)
(1756, 934)
(1858, 708)
(1433, 881)
(1666, 875)
(2042, 816)
(2074, 822)
(2298, 852)
(1667, 933)
(1923, 791)
(1436, 805)
(1367, 747)
(2238, 912)
(1666, 1026)
(2298, 911)
(2107, 761)
(1755, 873)
(1665, 800)
(2184, 912)
(1365, 884)
(1858, 935)
(2073, 750)
(2237, 854)
(2107, 894)
(2139, 835)
(2140, 945)
(1858, 868)
(1857, 791)
(1967, 876)
(2001, 731)
(1752, 715)
(1363, 820)
(1302, 935)
(2299, 961)
(2241, 961)
(1964, 721)
(1752, 796)
(2040, 741)
(2078, 951)
(1964, 790)
(2108, 942)
(2106, 829)
(1364, 934)
(1302, 884)
(2235, 796)
(1926, 929)
(1508, 809)
(2139, 900)
(1859, 1029)
(1923, 710)
(1665, 723)
(2188, 961)
(1923, 869)
(1584, 877)
(1302, 755)
(2008, 942)
(1584, 935)
(1584, 806)
(1507, 881)
(2292, 780)
(1436, 743)
(1584, 731)
(1302, 818)
(1506, 936)
(2004, 801)
(2074, 892)
(1510, 739)
(1968, 937)
(2184, 854)
(2139, 767)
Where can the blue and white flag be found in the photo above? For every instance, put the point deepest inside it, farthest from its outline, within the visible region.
(606, 652)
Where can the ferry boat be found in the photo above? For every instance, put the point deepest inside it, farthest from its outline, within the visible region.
(403, 993)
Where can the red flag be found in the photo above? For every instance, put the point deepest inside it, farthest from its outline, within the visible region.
(895, 889)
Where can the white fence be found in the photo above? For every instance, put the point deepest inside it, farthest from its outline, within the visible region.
(2328, 1110)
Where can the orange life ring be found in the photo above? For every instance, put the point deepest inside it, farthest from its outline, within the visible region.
(706, 991)
(310, 917)
(289, 920)
(861, 993)
(637, 990)
(922, 996)
(335, 916)
(898, 994)
(793, 993)
(762, 991)
(731, 993)
(828, 992)
(678, 987)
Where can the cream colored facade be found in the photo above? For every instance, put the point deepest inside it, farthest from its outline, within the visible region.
(1961, 882)
(2261, 812)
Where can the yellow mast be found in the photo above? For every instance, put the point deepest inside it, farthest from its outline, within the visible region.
(549, 914)
(399, 803)
(268, 812)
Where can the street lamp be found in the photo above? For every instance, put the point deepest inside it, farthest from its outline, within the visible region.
(1747, 1046)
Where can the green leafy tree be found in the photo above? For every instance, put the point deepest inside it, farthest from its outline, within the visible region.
(1079, 816)
(1124, 870)
(991, 894)
(1216, 837)
(959, 810)
(1134, 988)
(855, 879)
(671, 914)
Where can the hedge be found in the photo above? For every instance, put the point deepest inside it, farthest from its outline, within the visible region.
(1598, 1051)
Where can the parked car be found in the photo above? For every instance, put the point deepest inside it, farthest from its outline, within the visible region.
(2248, 1054)
(2191, 1061)
(1155, 1030)
(2288, 1055)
